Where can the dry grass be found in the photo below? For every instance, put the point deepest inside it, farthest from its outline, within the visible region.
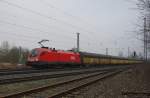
(10, 66)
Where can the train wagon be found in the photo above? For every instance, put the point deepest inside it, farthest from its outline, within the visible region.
(91, 59)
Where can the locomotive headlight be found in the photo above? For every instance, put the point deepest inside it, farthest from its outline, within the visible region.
(36, 59)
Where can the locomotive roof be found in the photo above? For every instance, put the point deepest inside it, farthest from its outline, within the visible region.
(60, 51)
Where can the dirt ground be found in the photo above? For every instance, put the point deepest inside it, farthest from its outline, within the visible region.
(135, 80)
(11, 66)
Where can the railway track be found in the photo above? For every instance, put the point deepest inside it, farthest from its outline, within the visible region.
(32, 70)
(29, 75)
(35, 70)
(69, 83)
(28, 70)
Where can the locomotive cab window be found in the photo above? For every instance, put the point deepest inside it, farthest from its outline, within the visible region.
(34, 53)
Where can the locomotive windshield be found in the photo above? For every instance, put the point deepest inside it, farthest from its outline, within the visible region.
(34, 53)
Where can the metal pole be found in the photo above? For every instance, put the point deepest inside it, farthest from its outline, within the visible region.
(20, 55)
(145, 38)
(128, 52)
(146, 45)
(106, 51)
(78, 46)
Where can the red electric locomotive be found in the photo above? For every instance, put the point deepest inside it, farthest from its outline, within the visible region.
(45, 57)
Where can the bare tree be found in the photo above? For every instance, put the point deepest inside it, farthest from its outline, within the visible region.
(4, 47)
(4, 50)
(12, 54)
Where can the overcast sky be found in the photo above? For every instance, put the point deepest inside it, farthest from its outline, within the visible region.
(101, 23)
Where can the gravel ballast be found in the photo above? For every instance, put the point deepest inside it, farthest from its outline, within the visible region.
(134, 80)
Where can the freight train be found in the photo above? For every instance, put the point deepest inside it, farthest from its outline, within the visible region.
(48, 57)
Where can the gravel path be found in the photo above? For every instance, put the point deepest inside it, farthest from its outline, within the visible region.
(136, 79)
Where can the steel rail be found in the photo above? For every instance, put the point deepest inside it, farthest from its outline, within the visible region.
(35, 70)
(71, 85)
(127, 93)
(46, 75)
(83, 84)
(14, 95)
(29, 70)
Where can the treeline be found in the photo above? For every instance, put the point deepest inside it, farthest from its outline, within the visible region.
(12, 54)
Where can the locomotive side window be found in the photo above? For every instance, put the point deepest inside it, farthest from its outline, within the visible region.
(34, 53)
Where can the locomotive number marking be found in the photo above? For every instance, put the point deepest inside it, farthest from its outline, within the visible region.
(72, 58)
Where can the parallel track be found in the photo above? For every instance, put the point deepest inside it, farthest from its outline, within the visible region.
(27, 71)
(36, 70)
(77, 85)
(45, 74)
(57, 89)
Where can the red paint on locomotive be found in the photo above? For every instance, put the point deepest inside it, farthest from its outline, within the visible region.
(41, 56)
